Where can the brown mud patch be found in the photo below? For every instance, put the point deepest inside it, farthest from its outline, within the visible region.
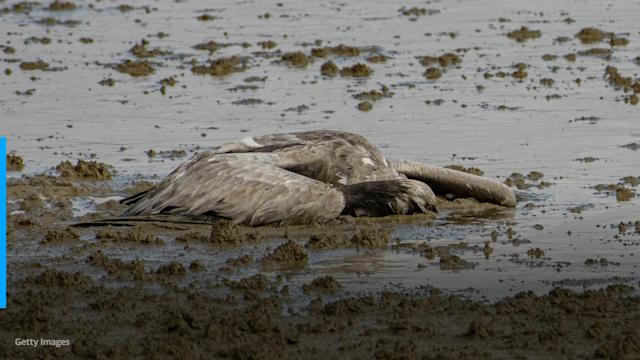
(221, 66)
(363, 236)
(296, 59)
(142, 50)
(140, 235)
(324, 284)
(34, 65)
(523, 34)
(289, 253)
(57, 5)
(340, 50)
(14, 162)
(135, 68)
(357, 71)
(590, 35)
(329, 69)
(62, 236)
(86, 170)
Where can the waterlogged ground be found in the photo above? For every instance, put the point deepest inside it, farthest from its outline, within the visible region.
(550, 108)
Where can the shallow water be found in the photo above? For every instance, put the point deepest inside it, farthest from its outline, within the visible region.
(71, 116)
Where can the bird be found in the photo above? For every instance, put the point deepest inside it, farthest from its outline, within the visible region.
(307, 177)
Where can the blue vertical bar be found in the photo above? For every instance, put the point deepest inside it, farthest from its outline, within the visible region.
(3, 223)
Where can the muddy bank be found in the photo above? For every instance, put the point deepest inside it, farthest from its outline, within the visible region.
(249, 321)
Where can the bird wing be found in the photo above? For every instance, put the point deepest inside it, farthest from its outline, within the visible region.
(334, 157)
(247, 188)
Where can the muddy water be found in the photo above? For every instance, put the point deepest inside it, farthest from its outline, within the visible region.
(501, 125)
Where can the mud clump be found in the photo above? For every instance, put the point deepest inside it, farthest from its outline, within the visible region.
(137, 235)
(454, 262)
(368, 237)
(206, 17)
(365, 106)
(433, 73)
(415, 12)
(210, 46)
(377, 58)
(136, 68)
(118, 268)
(221, 67)
(371, 237)
(61, 6)
(340, 50)
(444, 60)
(61, 279)
(172, 269)
(590, 35)
(85, 170)
(141, 50)
(329, 69)
(256, 282)
(289, 253)
(125, 8)
(616, 79)
(192, 236)
(374, 95)
(225, 232)
(602, 53)
(523, 34)
(618, 41)
(14, 163)
(468, 170)
(107, 82)
(478, 329)
(357, 71)
(267, 45)
(624, 194)
(324, 241)
(34, 65)
(296, 59)
(535, 253)
(327, 284)
(60, 236)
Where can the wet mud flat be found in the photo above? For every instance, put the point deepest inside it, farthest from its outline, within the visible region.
(101, 100)
(166, 287)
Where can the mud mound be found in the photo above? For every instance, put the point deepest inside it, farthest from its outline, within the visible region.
(289, 253)
(323, 284)
(138, 235)
(55, 278)
(61, 236)
(116, 267)
(86, 170)
(227, 233)
(14, 163)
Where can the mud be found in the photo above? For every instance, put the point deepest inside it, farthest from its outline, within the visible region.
(135, 68)
(14, 162)
(357, 71)
(329, 69)
(34, 65)
(296, 59)
(57, 5)
(221, 67)
(85, 170)
(289, 253)
(592, 35)
(523, 34)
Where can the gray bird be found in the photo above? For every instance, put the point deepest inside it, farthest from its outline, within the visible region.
(306, 177)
